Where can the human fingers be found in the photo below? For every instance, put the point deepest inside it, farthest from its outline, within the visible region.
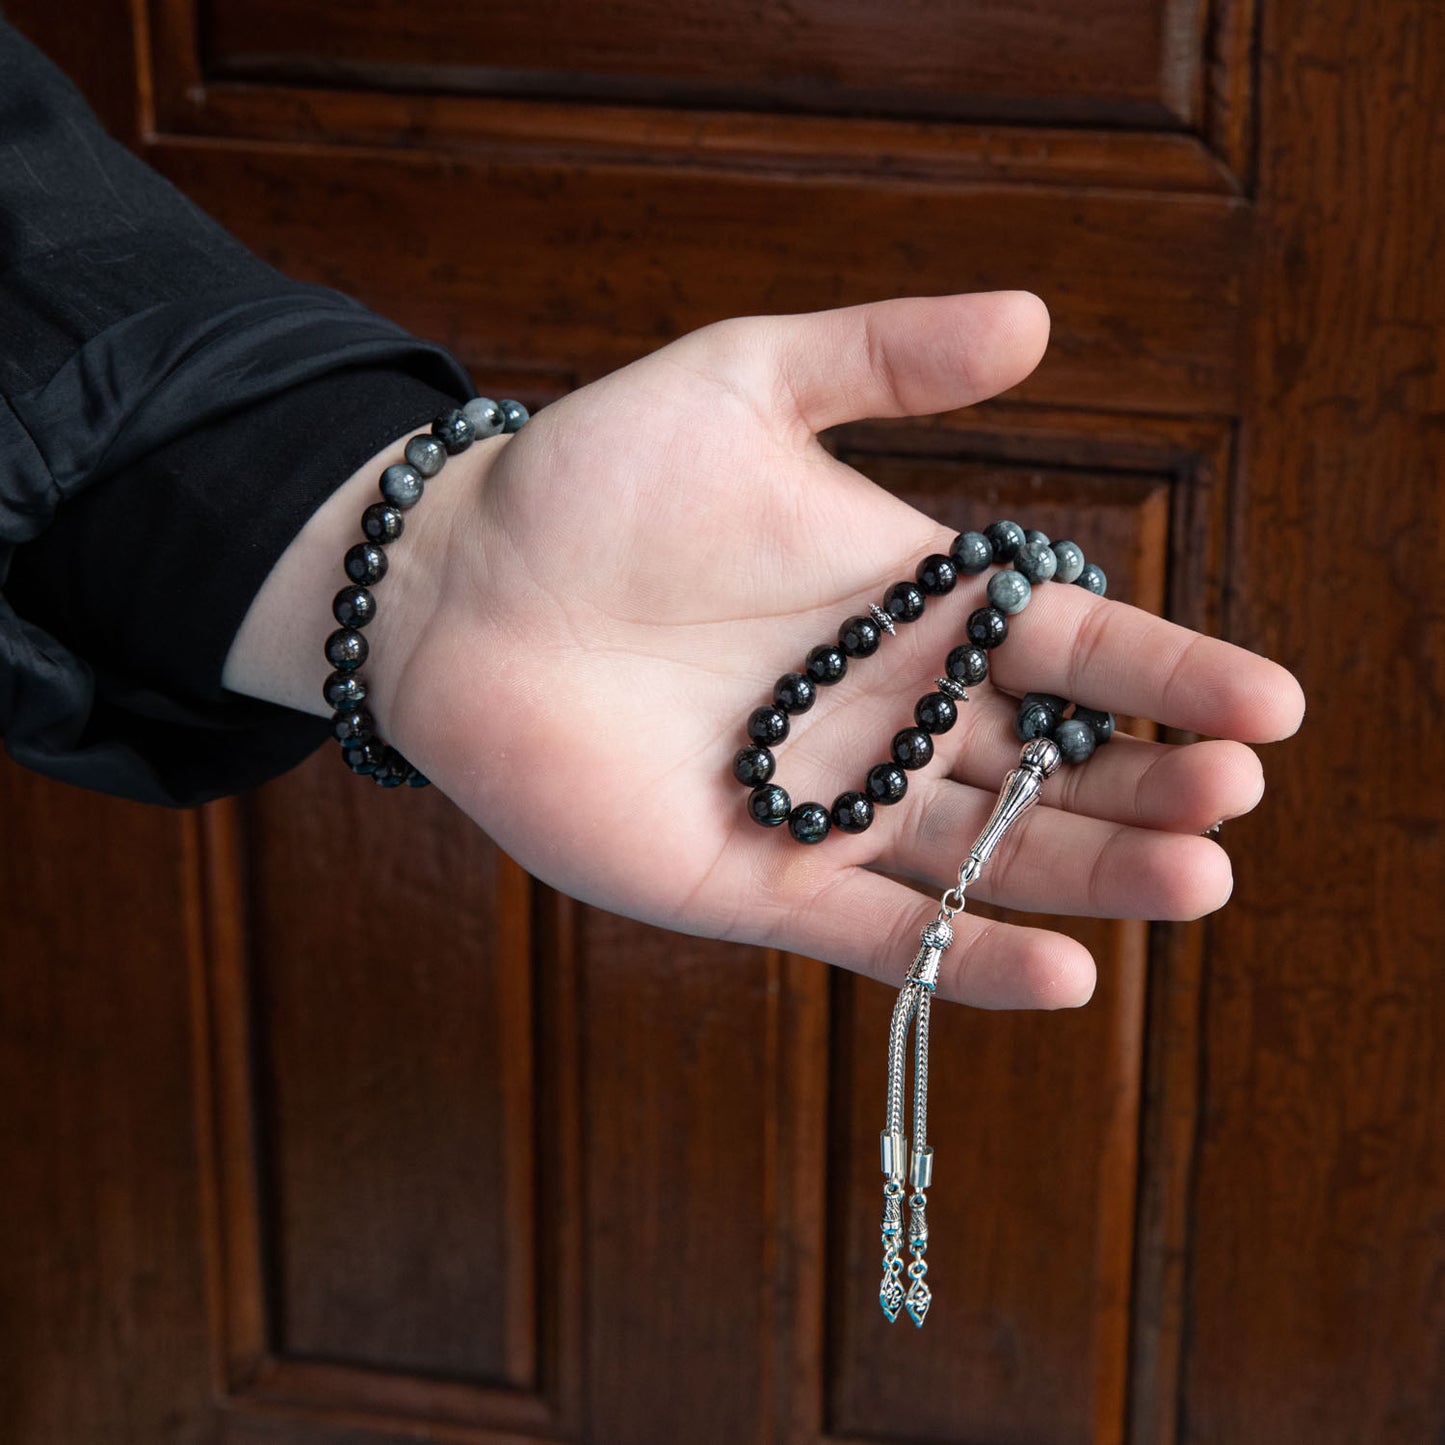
(1109, 655)
(863, 921)
(1057, 862)
(1129, 780)
(910, 357)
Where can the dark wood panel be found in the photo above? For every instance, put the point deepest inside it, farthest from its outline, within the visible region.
(1114, 61)
(582, 270)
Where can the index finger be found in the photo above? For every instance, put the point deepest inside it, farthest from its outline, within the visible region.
(1112, 656)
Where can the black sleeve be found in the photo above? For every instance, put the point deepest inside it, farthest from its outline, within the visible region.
(172, 410)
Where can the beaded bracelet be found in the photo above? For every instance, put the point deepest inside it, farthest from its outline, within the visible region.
(354, 606)
(1049, 737)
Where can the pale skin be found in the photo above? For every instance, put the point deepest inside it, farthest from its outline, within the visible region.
(580, 617)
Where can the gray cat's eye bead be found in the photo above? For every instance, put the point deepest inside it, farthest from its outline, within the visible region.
(1037, 562)
(972, 552)
(1070, 559)
(1092, 577)
(402, 486)
(486, 416)
(1009, 591)
(426, 454)
(516, 415)
(1075, 740)
(1034, 535)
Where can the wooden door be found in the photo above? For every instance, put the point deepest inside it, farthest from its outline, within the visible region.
(495, 1167)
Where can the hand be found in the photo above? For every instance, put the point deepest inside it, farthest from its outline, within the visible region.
(592, 611)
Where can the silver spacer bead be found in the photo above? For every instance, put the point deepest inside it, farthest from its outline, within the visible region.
(953, 689)
(883, 619)
(1040, 756)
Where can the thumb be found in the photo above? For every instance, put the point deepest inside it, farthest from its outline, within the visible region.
(911, 357)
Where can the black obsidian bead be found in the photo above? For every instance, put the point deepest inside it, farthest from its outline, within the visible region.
(402, 486)
(353, 607)
(1035, 721)
(885, 784)
(344, 691)
(809, 822)
(935, 712)
(859, 637)
(754, 766)
(346, 649)
(1005, 538)
(1092, 579)
(967, 664)
(987, 627)
(353, 728)
(826, 664)
(769, 805)
(1101, 723)
(767, 725)
(381, 522)
(912, 748)
(365, 563)
(852, 812)
(972, 552)
(391, 770)
(363, 757)
(904, 602)
(937, 575)
(426, 454)
(453, 430)
(795, 692)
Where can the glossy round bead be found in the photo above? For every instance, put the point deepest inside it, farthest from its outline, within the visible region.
(391, 770)
(852, 812)
(516, 415)
(754, 766)
(1034, 535)
(967, 664)
(402, 486)
(453, 430)
(987, 627)
(353, 607)
(363, 757)
(1005, 538)
(904, 602)
(1051, 700)
(935, 712)
(1093, 579)
(1035, 721)
(1009, 592)
(426, 454)
(1070, 559)
(487, 418)
(1075, 740)
(344, 691)
(972, 553)
(353, 728)
(937, 575)
(795, 692)
(346, 649)
(381, 522)
(365, 563)
(417, 779)
(826, 664)
(1037, 562)
(767, 725)
(860, 636)
(912, 748)
(886, 784)
(809, 823)
(769, 805)
(1101, 724)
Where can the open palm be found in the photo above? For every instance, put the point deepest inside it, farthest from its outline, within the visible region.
(636, 568)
